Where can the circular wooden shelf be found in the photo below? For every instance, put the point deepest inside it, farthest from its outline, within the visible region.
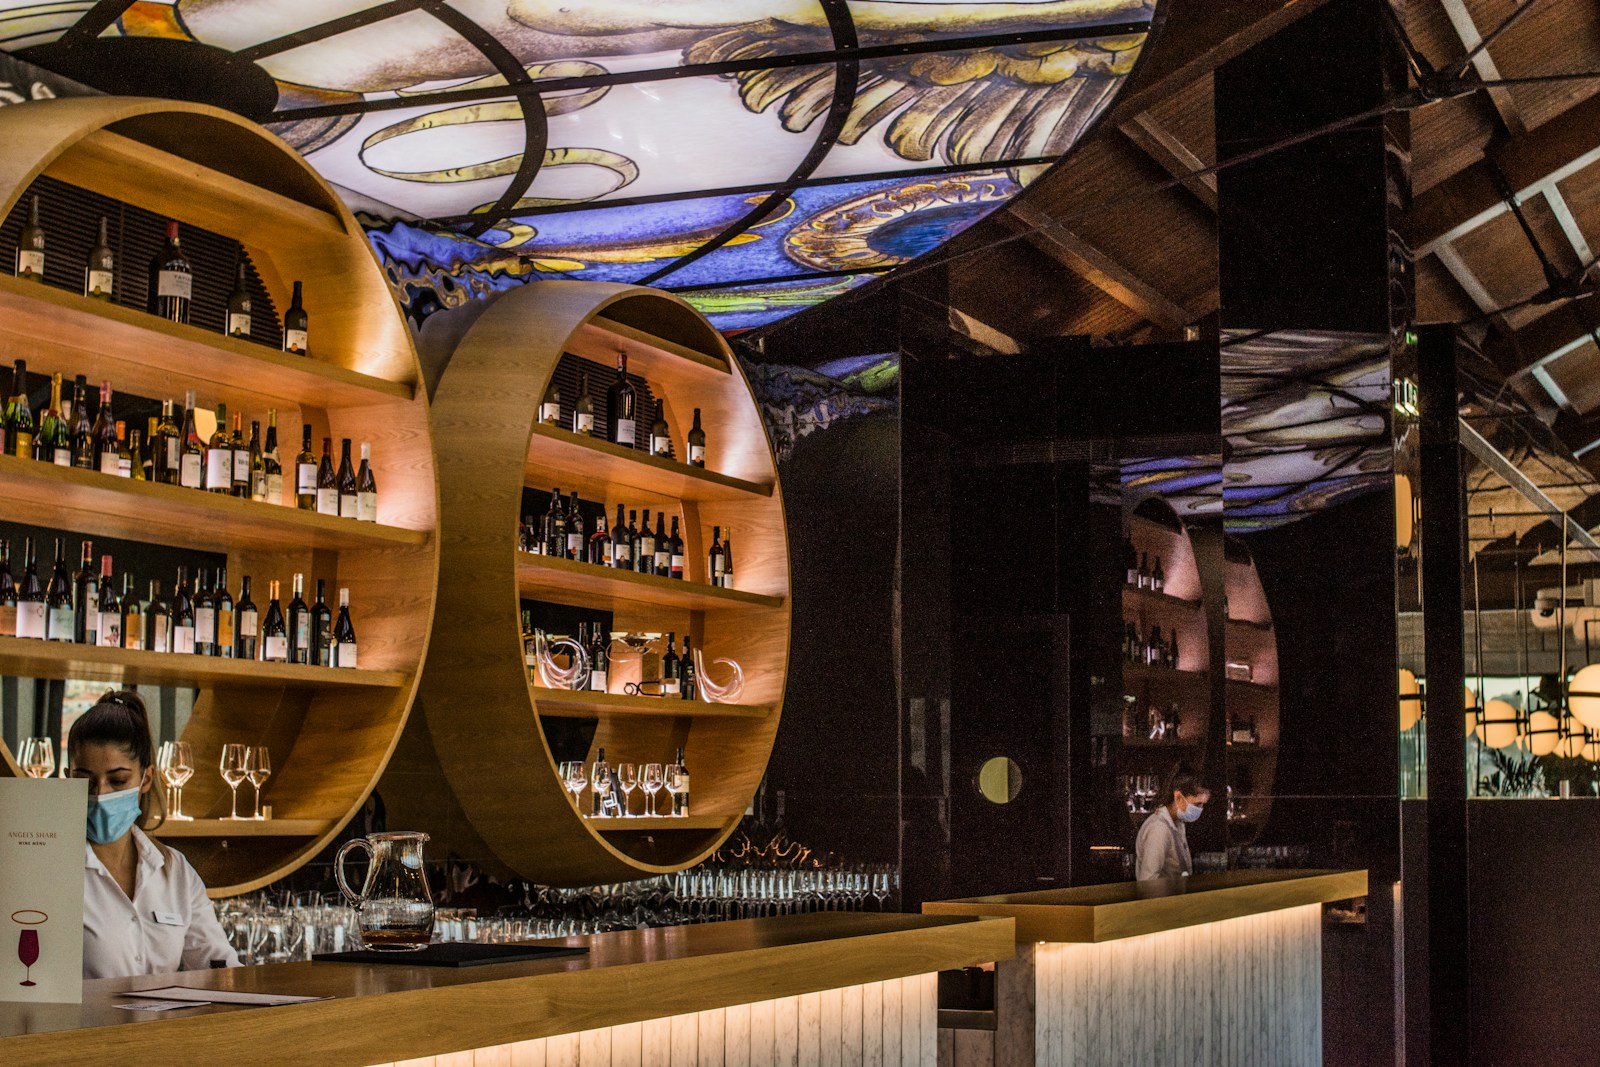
(486, 718)
(1250, 638)
(330, 731)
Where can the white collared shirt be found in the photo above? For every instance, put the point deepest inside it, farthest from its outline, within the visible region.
(1162, 849)
(168, 926)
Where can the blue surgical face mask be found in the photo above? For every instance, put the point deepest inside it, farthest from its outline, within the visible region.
(1191, 813)
(112, 814)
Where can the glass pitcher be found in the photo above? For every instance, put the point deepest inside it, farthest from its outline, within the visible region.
(395, 907)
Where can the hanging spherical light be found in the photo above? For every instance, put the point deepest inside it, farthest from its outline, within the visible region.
(1500, 722)
(1544, 733)
(1583, 696)
(1410, 700)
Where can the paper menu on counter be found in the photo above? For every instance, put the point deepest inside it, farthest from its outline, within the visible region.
(41, 889)
(219, 996)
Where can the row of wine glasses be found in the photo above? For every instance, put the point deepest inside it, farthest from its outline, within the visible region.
(627, 777)
(175, 765)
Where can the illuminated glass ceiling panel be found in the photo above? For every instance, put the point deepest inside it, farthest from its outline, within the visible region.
(484, 120)
(745, 307)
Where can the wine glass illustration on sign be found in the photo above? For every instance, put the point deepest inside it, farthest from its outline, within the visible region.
(30, 919)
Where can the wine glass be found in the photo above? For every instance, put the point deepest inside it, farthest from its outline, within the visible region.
(575, 778)
(235, 766)
(600, 784)
(673, 780)
(176, 764)
(258, 767)
(653, 780)
(628, 779)
(28, 953)
(38, 757)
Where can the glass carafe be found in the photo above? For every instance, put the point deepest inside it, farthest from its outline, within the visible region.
(395, 907)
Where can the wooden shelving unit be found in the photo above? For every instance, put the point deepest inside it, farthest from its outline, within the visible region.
(1249, 637)
(483, 714)
(1157, 531)
(330, 731)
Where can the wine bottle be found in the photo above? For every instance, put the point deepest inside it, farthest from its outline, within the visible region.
(257, 464)
(697, 442)
(222, 604)
(671, 675)
(644, 547)
(53, 429)
(344, 635)
(82, 441)
(716, 559)
(295, 326)
(530, 654)
(219, 456)
(205, 617)
(238, 321)
(139, 456)
(1158, 578)
(30, 245)
(270, 463)
(192, 458)
(1130, 561)
(525, 538)
(366, 487)
(8, 591)
(327, 483)
(247, 623)
(100, 272)
(690, 687)
(58, 599)
(680, 794)
(577, 532)
(164, 458)
(1154, 648)
(550, 406)
(621, 544)
(583, 412)
(19, 413)
(105, 434)
(31, 606)
(320, 653)
(241, 455)
(299, 624)
(554, 541)
(108, 610)
(660, 436)
(85, 604)
(727, 560)
(620, 406)
(599, 663)
(675, 552)
(633, 535)
(598, 553)
(346, 481)
(171, 281)
(1144, 570)
(132, 615)
(124, 450)
(663, 557)
(182, 615)
(305, 473)
(274, 641)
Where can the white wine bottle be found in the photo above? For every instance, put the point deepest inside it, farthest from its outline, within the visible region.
(366, 487)
(100, 271)
(296, 326)
(30, 246)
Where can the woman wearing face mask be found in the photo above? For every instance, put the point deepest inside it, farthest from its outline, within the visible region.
(1162, 850)
(145, 910)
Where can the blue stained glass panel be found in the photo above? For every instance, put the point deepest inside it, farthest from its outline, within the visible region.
(744, 307)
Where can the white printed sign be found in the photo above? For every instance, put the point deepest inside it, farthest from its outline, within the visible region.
(41, 889)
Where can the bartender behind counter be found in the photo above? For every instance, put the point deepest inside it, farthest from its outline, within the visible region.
(145, 910)
(1162, 848)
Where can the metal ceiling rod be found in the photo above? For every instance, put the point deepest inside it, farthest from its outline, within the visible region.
(1492, 458)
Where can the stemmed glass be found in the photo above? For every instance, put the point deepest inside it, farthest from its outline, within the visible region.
(176, 764)
(599, 785)
(235, 766)
(628, 779)
(652, 782)
(572, 773)
(258, 767)
(38, 757)
(673, 780)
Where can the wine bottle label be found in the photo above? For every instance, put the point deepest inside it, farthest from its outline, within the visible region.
(241, 466)
(661, 446)
(294, 341)
(59, 624)
(305, 481)
(124, 466)
(91, 624)
(205, 624)
(178, 283)
(21, 443)
(30, 263)
(133, 631)
(663, 561)
(718, 567)
(575, 546)
(172, 453)
(622, 556)
(348, 506)
(669, 687)
(275, 488)
(697, 455)
(345, 652)
(219, 468)
(30, 619)
(550, 414)
(189, 472)
(239, 323)
(108, 463)
(327, 501)
(160, 634)
(63, 457)
(8, 618)
(183, 639)
(302, 634)
(276, 649)
(247, 623)
(258, 486)
(98, 283)
(367, 507)
(677, 565)
(598, 681)
(625, 432)
(110, 630)
(582, 423)
(224, 642)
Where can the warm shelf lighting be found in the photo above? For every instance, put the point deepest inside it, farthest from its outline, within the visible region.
(1583, 696)
(1410, 700)
(1500, 723)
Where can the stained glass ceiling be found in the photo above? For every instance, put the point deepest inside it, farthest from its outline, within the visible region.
(758, 156)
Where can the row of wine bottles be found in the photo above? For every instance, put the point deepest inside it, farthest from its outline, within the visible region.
(203, 619)
(1149, 650)
(1138, 571)
(171, 282)
(631, 546)
(63, 434)
(669, 675)
(622, 417)
(610, 787)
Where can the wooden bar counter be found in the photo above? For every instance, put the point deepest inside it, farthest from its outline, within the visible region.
(1222, 968)
(830, 987)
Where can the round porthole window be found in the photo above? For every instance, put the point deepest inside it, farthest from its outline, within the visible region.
(1000, 780)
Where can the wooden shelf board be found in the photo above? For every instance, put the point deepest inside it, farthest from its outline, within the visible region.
(648, 824)
(626, 337)
(598, 461)
(25, 658)
(584, 585)
(1251, 624)
(570, 704)
(43, 318)
(145, 511)
(1139, 670)
(1162, 598)
(244, 828)
(1262, 687)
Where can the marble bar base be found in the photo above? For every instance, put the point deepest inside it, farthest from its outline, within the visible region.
(1241, 992)
(890, 1023)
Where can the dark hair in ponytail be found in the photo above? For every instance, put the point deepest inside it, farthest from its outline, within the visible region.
(119, 718)
(1183, 780)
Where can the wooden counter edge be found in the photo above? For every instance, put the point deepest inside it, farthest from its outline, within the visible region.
(1110, 922)
(384, 1028)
